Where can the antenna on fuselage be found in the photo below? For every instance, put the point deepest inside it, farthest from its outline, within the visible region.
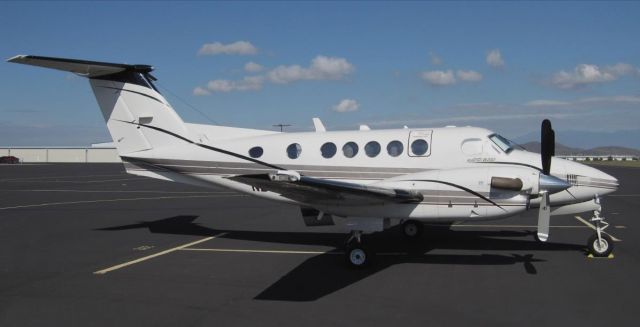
(282, 126)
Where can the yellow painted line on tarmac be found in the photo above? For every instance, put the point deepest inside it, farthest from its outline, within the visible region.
(590, 225)
(133, 262)
(118, 200)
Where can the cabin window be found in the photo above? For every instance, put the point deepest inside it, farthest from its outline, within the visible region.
(419, 147)
(372, 149)
(256, 152)
(395, 148)
(350, 149)
(294, 150)
(328, 150)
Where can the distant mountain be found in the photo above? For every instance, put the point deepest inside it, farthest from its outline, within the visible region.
(563, 150)
(589, 140)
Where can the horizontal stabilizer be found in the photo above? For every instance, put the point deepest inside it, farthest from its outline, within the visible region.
(81, 67)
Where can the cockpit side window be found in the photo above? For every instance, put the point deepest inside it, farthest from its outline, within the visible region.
(503, 143)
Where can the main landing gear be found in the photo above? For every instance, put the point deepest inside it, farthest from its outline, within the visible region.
(600, 244)
(412, 229)
(356, 254)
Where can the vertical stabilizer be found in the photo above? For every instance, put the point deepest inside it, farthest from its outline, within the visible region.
(138, 116)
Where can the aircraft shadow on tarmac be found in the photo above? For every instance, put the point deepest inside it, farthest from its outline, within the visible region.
(327, 273)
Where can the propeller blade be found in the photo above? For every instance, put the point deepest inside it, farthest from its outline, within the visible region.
(547, 145)
(543, 217)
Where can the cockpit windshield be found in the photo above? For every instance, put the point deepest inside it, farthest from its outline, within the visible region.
(502, 142)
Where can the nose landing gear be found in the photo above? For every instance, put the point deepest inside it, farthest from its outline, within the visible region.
(600, 244)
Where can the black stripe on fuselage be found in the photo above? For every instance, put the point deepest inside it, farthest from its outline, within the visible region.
(509, 163)
(462, 188)
(140, 93)
(233, 154)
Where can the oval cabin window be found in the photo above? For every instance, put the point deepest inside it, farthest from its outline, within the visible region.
(419, 147)
(328, 150)
(372, 149)
(395, 148)
(294, 150)
(256, 152)
(350, 149)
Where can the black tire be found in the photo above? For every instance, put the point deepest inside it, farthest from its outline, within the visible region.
(357, 256)
(412, 229)
(600, 250)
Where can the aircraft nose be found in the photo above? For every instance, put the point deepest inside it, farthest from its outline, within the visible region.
(605, 180)
(590, 176)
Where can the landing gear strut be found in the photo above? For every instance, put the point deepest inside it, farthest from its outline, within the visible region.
(600, 244)
(356, 255)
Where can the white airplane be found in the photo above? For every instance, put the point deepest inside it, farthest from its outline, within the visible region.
(374, 179)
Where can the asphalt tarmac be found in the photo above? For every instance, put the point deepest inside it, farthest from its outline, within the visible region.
(89, 245)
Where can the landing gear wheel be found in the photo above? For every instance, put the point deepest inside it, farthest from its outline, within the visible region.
(412, 229)
(600, 247)
(357, 256)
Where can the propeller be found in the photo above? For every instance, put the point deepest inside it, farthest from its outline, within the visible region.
(547, 145)
(548, 184)
(544, 215)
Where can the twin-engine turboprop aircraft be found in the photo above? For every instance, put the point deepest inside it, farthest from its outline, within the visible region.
(374, 179)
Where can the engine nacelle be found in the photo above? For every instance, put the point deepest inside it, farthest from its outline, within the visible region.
(465, 193)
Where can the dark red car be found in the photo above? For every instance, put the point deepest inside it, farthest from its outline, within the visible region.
(9, 160)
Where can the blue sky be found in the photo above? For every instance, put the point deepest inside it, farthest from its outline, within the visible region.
(501, 65)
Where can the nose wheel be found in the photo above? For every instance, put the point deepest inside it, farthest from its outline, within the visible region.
(600, 244)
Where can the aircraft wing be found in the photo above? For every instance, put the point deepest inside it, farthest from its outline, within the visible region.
(322, 191)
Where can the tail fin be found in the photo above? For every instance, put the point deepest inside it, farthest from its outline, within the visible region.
(128, 99)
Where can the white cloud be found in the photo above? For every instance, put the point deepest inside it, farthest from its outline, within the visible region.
(252, 67)
(235, 48)
(469, 75)
(494, 58)
(582, 75)
(614, 99)
(620, 69)
(439, 77)
(249, 83)
(346, 105)
(585, 74)
(321, 68)
(447, 77)
(607, 100)
(199, 91)
(435, 59)
(546, 103)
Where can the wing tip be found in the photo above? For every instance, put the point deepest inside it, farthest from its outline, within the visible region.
(17, 59)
